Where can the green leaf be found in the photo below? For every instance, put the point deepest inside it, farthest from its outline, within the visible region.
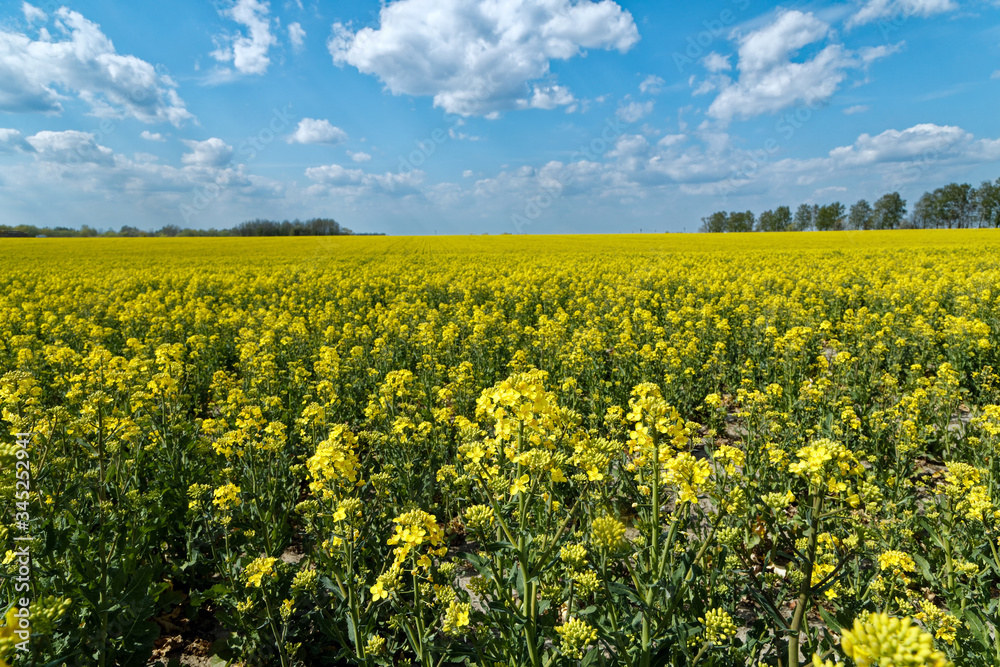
(351, 634)
(213, 593)
(831, 621)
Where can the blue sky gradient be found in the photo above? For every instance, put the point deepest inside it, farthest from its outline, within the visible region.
(519, 116)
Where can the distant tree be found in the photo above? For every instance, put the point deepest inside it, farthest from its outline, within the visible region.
(889, 212)
(764, 222)
(716, 223)
(783, 218)
(778, 220)
(126, 230)
(314, 227)
(926, 212)
(86, 231)
(830, 217)
(955, 204)
(986, 201)
(860, 216)
(741, 222)
(169, 230)
(805, 218)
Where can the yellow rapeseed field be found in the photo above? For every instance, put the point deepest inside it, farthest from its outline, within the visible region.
(774, 449)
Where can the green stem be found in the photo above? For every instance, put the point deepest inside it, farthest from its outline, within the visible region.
(274, 632)
(805, 588)
(352, 601)
(529, 605)
(102, 602)
(425, 658)
(654, 553)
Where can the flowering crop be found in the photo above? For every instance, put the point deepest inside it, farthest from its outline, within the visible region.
(766, 449)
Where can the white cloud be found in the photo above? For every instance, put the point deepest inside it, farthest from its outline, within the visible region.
(652, 85)
(212, 152)
(762, 50)
(357, 182)
(316, 131)
(481, 58)
(923, 153)
(70, 147)
(72, 174)
(715, 62)
(248, 54)
(36, 75)
(996, 74)
(874, 10)
(769, 80)
(151, 136)
(334, 174)
(634, 111)
(32, 13)
(547, 97)
(360, 156)
(12, 141)
(920, 142)
(296, 35)
(857, 108)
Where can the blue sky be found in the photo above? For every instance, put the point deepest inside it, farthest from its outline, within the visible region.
(520, 116)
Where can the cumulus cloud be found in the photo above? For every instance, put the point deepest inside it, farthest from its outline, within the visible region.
(296, 35)
(71, 173)
(716, 62)
(769, 80)
(926, 141)
(12, 141)
(857, 108)
(316, 131)
(36, 75)
(651, 85)
(151, 136)
(873, 10)
(71, 147)
(360, 156)
(481, 58)
(357, 182)
(547, 97)
(32, 13)
(634, 111)
(248, 53)
(212, 152)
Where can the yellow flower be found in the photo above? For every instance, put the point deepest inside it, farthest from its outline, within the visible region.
(335, 465)
(688, 474)
(257, 569)
(520, 485)
(607, 533)
(456, 617)
(719, 625)
(890, 642)
(576, 635)
(227, 496)
(897, 561)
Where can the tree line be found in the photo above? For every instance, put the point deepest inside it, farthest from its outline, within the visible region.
(256, 227)
(954, 206)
